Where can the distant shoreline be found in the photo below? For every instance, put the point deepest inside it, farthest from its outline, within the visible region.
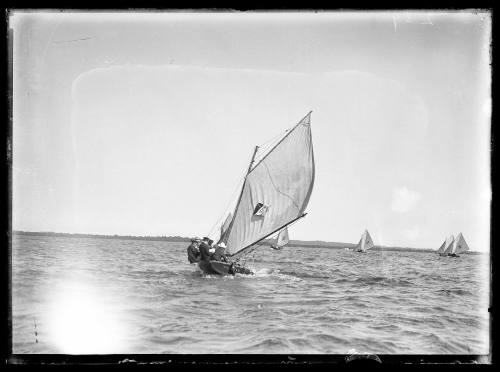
(292, 243)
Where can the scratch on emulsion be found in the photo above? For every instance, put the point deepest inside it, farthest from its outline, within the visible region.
(71, 41)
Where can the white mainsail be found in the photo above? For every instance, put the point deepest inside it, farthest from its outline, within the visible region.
(276, 190)
(365, 242)
(446, 245)
(459, 245)
(282, 238)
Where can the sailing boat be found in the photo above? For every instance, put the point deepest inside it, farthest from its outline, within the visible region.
(281, 239)
(459, 246)
(274, 194)
(446, 246)
(364, 243)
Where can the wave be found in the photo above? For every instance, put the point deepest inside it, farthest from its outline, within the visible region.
(268, 345)
(385, 327)
(377, 280)
(327, 338)
(304, 275)
(172, 340)
(455, 291)
(331, 302)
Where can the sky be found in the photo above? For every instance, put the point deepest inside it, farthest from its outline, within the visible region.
(145, 123)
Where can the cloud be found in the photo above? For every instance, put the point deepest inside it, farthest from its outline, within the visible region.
(404, 200)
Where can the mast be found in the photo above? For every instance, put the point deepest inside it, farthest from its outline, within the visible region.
(253, 159)
(241, 193)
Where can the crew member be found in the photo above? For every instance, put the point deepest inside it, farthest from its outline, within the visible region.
(205, 249)
(220, 252)
(193, 251)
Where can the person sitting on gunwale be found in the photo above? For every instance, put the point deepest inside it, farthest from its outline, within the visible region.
(193, 251)
(220, 253)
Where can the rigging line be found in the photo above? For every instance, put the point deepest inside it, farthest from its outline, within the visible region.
(269, 142)
(231, 200)
(287, 130)
(282, 139)
(269, 148)
(274, 138)
(229, 229)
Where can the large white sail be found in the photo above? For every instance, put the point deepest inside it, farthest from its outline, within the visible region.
(282, 238)
(365, 243)
(459, 245)
(446, 245)
(276, 190)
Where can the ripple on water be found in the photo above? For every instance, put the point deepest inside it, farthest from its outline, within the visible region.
(302, 300)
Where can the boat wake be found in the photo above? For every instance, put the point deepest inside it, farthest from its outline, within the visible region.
(273, 273)
(376, 280)
(305, 275)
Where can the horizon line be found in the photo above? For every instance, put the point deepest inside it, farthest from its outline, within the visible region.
(187, 238)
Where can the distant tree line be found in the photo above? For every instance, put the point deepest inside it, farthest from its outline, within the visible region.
(292, 243)
(95, 236)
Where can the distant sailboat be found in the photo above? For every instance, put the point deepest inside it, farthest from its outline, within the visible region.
(459, 246)
(446, 246)
(274, 194)
(365, 242)
(281, 240)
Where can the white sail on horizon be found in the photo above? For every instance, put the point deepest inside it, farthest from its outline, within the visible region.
(276, 190)
(282, 238)
(365, 243)
(459, 245)
(446, 245)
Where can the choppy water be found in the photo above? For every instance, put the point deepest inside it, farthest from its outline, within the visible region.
(88, 295)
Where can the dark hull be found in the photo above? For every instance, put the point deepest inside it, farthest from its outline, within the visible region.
(222, 268)
(453, 255)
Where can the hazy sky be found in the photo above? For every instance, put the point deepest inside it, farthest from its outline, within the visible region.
(144, 124)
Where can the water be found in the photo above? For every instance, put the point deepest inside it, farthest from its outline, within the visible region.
(99, 296)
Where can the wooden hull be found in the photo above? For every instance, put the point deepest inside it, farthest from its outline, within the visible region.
(222, 268)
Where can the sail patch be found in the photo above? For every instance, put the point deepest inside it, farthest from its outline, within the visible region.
(260, 209)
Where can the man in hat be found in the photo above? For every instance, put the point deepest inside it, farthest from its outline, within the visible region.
(206, 249)
(193, 251)
(220, 252)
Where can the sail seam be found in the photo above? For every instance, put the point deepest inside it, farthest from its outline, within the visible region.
(278, 190)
